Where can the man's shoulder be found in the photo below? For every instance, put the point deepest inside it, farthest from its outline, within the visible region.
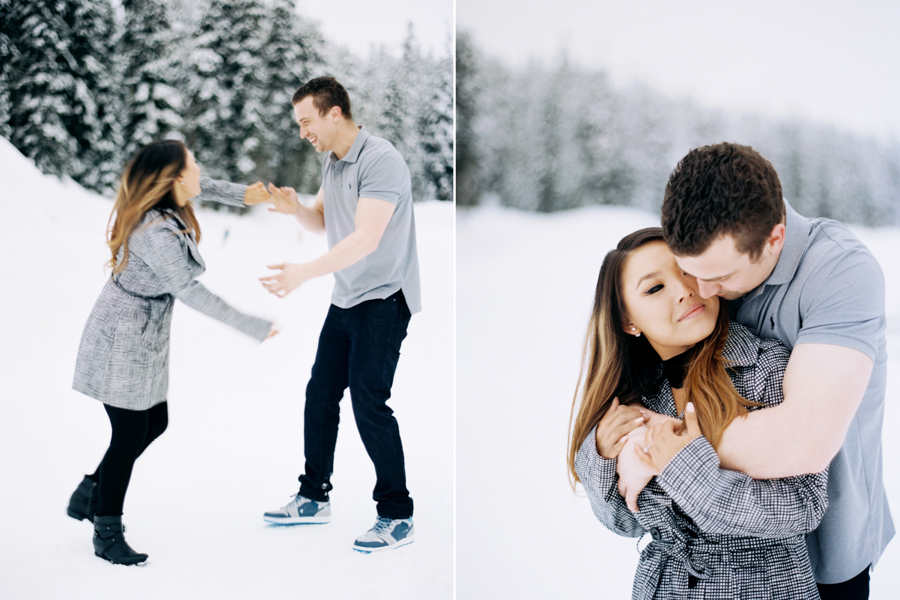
(379, 150)
(833, 249)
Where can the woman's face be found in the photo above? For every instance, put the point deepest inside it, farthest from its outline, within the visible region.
(663, 303)
(188, 181)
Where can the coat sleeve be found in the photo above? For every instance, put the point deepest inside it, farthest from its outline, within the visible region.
(162, 248)
(599, 478)
(730, 502)
(223, 192)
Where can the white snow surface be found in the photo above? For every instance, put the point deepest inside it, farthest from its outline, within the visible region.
(233, 448)
(525, 285)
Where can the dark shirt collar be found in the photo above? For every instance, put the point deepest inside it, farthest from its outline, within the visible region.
(353, 154)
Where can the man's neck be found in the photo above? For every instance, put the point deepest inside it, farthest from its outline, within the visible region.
(346, 137)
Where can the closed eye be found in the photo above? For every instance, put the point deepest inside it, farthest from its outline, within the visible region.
(654, 289)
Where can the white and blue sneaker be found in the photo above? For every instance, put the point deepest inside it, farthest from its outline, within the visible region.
(385, 535)
(300, 510)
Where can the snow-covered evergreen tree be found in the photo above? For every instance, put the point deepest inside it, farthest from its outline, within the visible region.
(293, 54)
(7, 56)
(96, 97)
(224, 123)
(41, 84)
(153, 101)
(435, 132)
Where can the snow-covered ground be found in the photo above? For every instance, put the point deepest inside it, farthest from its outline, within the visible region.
(525, 285)
(234, 445)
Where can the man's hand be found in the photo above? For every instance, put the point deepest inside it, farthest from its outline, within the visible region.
(289, 279)
(284, 200)
(614, 427)
(665, 440)
(256, 194)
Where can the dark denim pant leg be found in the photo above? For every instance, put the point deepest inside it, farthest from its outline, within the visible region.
(321, 413)
(377, 329)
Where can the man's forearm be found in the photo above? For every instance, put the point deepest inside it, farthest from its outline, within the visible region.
(311, 219)
(767, 444)
(348, 251)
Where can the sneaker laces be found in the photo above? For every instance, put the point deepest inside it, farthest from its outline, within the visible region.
(381, 525)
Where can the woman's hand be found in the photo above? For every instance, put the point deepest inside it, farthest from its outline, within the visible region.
(614, 427)
(634, 475)
(273, 331)
(256, 194)
(664, 440)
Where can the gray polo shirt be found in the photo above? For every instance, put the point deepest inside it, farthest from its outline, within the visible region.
(827, 288)
(372, 169)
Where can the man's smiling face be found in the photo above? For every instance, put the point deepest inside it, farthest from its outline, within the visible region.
(318, 129)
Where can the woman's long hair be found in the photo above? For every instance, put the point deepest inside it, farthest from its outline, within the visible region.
(147, 184)
(615, 364)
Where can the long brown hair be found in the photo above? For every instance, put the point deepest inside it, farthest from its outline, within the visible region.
(148, 184)
(615, 364)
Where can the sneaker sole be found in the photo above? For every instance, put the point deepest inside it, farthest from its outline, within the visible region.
(383, 548)
(297, 520)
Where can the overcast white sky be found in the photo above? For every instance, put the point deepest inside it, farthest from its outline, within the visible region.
(826, 60)
(360, 24)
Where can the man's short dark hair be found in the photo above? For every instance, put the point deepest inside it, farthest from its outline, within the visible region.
(326, 92)
(724, 189)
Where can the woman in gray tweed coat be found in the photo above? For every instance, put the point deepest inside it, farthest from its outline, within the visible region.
(123, 359)
(715, 534)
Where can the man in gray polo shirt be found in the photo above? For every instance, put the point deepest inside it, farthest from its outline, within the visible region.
(365, 208)
(813, 285)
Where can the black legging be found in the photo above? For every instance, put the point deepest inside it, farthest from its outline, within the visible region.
(132, 432)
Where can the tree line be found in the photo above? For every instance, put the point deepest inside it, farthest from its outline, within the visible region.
(548, 138)
(84, 84)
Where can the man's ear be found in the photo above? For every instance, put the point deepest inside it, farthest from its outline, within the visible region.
(775, 242)
(336, 113)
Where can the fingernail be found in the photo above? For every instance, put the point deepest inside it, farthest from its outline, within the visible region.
(639, 420)
(690, 407)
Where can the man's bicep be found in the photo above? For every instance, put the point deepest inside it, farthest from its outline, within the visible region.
(823, 386)
(372, 215)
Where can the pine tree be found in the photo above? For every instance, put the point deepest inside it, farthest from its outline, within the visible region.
(96, 101)
(293, 54)
(41, 85)
(467, 92)
(153, 101)
(7, 57)
(436, 132)
(224, 115)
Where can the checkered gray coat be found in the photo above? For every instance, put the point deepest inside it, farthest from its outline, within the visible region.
(123, 359)
(715, 533)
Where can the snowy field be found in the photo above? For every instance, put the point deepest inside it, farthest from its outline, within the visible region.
(233, 448)
(525, 284)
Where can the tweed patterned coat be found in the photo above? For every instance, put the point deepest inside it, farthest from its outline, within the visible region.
(123, 359)
(715, 533)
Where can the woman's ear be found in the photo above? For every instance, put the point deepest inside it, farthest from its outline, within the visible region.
(630, 328)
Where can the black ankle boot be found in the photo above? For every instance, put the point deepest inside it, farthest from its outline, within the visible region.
(110, 544)
(83, 503)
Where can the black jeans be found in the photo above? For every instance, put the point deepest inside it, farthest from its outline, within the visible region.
(854, 589)
(358, 348)
(132, 432)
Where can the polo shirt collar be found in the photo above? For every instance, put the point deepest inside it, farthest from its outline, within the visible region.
(795, 239)
(353, 154)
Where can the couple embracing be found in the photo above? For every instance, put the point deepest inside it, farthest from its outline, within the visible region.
(364, 207)
(732, 394)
